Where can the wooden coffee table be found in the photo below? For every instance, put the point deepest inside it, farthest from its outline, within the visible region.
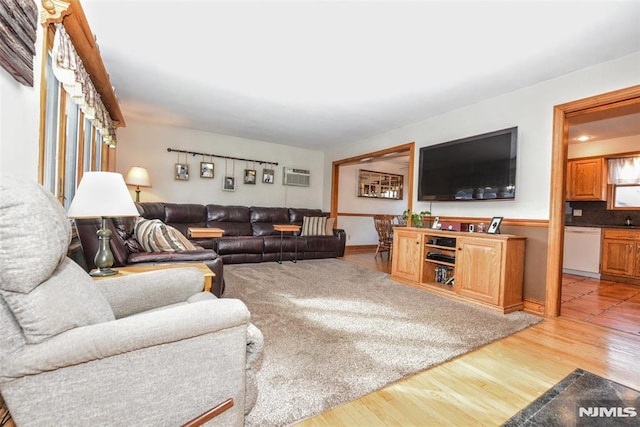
(287, 227)
(136, 269)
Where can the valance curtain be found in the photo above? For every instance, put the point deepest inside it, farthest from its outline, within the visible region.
(68, 69)
(18, 23)
(624, 171)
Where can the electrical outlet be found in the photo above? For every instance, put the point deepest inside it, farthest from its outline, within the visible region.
(348, 236)
(577, 212)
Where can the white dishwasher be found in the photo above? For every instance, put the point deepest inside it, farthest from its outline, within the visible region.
(582, 251)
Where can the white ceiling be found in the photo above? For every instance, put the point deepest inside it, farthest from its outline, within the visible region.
(327, 73)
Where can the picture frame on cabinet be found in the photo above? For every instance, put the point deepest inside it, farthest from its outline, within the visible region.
(229, 183)
(206, 170)
(268, 176)
(181, 171)
(494, 226)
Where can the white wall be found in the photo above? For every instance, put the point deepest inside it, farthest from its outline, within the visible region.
(608, 146)
(19, 122)
(361, 230)
(143, 144)
(531, 109)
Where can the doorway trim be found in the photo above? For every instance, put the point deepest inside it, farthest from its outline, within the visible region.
(335, 172)
(561, 113)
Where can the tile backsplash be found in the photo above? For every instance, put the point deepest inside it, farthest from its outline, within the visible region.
(596, 213)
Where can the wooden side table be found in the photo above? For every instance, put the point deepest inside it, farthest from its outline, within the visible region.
(287, 227)
(204, 232)
(136, 269)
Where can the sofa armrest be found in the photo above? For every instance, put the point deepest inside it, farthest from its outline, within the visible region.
(176, 257)
(141, 292)
(110, 339)
(342, 235)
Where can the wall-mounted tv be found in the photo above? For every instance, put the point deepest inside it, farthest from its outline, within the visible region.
(481, 167)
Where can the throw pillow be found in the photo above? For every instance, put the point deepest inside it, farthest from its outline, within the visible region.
(156, 236)
(330, 223)
(314, 226)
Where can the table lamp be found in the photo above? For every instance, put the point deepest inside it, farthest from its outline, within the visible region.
(139, 177)
(102, 195)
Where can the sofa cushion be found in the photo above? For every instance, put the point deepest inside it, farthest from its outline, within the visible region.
(296, 215)
(185, 213)
(151, 210)
(156, 236)
(46, 292)
(263, 219)
(315, 226)
(66, 300)
(234, 220)
(34, 234)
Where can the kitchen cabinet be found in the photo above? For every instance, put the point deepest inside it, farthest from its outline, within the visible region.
(621, 254)
(486, 269)
(586, 179)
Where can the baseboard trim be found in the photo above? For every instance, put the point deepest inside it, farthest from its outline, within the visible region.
(534, 307)
(354, 248)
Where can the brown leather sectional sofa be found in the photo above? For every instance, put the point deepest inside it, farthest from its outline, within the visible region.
(249, 236)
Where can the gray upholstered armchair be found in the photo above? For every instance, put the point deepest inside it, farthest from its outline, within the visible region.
(146, 349)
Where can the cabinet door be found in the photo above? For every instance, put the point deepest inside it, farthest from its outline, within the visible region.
(618, 256)
(479, 268)
(407, 254)
(586, 180)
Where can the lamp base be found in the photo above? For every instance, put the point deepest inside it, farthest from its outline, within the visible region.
(102, 272)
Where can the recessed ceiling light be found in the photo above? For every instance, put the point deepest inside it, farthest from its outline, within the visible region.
(583, 138)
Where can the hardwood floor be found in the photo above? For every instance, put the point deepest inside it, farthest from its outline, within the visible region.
(612, 304)
(488, 386)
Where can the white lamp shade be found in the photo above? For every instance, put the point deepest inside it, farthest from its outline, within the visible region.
(138, 176)
(102, 194)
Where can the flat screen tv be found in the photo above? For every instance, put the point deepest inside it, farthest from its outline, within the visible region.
(481, 167)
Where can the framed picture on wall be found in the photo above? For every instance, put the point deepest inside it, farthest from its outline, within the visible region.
(206, 170)
(250, 176)
(494, 227)
(268, 176)
(229, 183)
(182, 171)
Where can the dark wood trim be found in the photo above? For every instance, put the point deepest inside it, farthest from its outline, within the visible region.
(353, 248)
(533, 306)
(335, 172)
(370, 215)
(561, 113)
(210, 414)
(621, 279)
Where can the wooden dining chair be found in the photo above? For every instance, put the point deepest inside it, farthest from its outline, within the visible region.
(384, 227)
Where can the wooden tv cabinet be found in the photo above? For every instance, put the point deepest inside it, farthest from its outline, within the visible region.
(486, 269)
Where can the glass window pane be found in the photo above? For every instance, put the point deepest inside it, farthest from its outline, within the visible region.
(51, 129)
(98, 150)
(627, 196)
(88, 144)
(71, 160)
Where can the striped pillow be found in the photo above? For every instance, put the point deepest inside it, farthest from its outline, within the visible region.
(314, 226)
(156, 236)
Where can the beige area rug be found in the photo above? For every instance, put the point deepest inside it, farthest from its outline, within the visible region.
(335, 331)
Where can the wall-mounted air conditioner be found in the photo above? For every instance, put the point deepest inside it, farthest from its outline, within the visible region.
(298, 177)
